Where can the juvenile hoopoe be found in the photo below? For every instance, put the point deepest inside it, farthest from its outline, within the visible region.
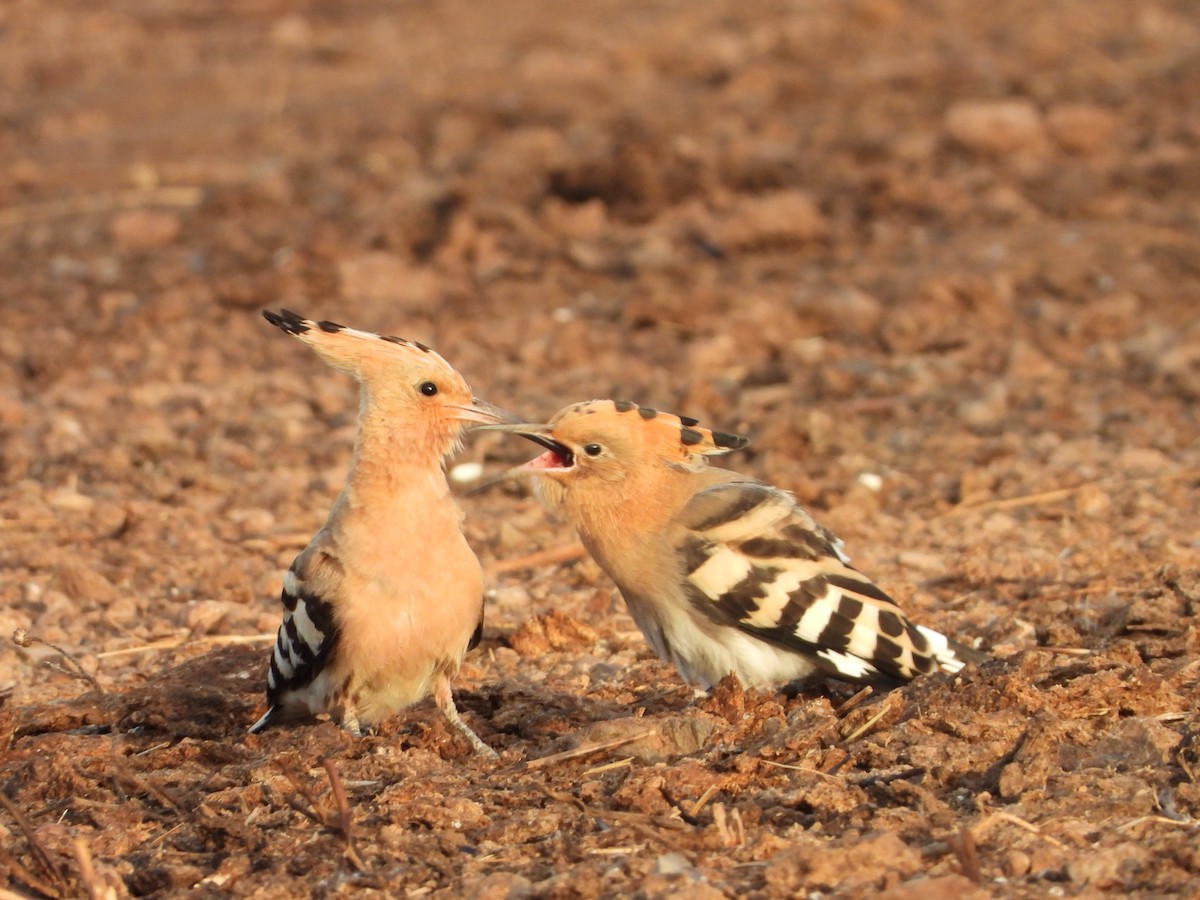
(387, 598)
(721, 573)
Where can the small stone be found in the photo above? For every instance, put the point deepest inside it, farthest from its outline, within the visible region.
(70, 499)
(987, 412)
(673, 864)
(155, 436)
(1012, 781)
(466, 473)
(871, 481)
(292, 32)
(81, 582)
(770, 221)
(498, 886)
(848, 312)
(996, 126)
(922, 562)
(1027, 362)
(252, 522)
(854, 868)
(1092, 500)
(1109, 867)
(943, 887)
(1081, 127)
(576, 220)
(12, 408)
(1016, 863)
(205, 615)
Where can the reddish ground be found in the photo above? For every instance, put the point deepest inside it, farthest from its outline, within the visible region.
(951, 247)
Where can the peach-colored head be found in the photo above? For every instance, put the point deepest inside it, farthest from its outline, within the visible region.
(614, 446)
(403, 382)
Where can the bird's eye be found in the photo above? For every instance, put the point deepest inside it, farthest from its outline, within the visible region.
(592, 449)
(428, 388)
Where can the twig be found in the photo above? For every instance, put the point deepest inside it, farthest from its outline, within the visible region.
(216, 640)
(889, 777)
(739, 826)
(609, 767)
(986, 825)
(868, 725)
(97, 888)
(36, 848)
(314, 811)
(807, 769)
(722, 825)
(18, 871)
(633, 819)
(551, 557)
(854, 701)
(836, 766)
(23, 638)
(141, 784)
(345, 819)
(1063, 493)
(1162, 820)
(585, 750)
(702, 799)
(165, 834)
(968, 854)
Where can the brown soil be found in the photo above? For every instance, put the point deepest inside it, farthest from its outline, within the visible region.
(941, 261)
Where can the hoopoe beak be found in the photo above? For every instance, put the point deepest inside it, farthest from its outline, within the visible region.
(557, 458)
(482, 412)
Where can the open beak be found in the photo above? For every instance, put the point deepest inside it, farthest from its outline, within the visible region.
(558, 457)
(482, 412)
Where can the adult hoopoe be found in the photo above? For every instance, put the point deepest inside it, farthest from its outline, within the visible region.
(387, 598)
(722, 573)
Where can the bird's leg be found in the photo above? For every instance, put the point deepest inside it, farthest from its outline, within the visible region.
(444, 699)
(350, 719)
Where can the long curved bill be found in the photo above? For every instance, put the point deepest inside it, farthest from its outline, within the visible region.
(558, 456)
(484, 413)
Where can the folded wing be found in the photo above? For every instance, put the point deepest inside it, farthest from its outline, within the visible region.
(754, 560)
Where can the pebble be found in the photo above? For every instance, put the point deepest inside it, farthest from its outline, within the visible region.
(1081, 127)
(204, 616)
(82, 583)
(466, 473)
(70, 499)
(996, 126)
(777, 219)
(988, 411)
(871, 481)
(847, 311)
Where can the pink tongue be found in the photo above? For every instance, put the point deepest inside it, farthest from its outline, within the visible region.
(548, 460)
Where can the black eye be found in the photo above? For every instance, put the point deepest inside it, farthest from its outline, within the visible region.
(592, 449)
(428, 388)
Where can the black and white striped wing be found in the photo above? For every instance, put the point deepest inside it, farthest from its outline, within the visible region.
(754, 560)
(307, 636)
